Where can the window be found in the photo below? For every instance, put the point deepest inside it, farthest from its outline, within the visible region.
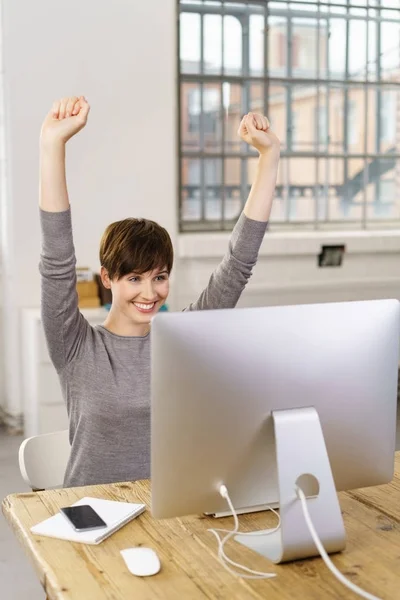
(353, 122)
(209, 114)
(328, 78)
(296, 138)
(389, 100)
(322, 133)
(3, 170)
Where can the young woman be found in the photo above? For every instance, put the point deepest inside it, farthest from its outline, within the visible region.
(105, 370)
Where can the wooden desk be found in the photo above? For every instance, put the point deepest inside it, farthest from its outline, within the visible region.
(190, 570)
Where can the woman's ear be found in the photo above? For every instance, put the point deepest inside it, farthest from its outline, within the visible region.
(105, 279)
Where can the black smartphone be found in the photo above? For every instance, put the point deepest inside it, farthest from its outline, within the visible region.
(83, 517)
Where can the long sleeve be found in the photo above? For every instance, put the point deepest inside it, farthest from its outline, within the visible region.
(230, 277)
(64, 326)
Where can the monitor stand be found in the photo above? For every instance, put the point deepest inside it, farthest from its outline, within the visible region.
(302, 459)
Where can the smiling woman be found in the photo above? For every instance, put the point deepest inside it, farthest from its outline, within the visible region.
(136, 257)
(136, 299)
(105, 370)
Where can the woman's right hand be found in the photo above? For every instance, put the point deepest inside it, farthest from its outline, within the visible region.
(66, 118)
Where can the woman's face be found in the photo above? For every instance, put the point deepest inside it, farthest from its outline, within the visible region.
(139, 296)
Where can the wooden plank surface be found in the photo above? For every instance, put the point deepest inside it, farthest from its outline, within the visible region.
(190, 570)
(384, 497)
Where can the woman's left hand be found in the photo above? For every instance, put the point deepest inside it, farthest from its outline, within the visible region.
(254, 130)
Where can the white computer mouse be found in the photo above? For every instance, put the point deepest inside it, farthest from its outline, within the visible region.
(141, 561)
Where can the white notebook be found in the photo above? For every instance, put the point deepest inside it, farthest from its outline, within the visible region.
(115, 514)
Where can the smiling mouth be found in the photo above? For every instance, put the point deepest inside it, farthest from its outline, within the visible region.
(145, 308)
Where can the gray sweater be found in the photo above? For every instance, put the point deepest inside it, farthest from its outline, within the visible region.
(105, 378)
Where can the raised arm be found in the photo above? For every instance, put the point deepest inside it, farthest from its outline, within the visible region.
(64, 326)
(230, 277)
(254, 129)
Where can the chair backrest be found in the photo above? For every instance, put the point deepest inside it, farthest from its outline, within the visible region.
(43, 459)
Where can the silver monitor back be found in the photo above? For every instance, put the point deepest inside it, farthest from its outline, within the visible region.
(217, 375)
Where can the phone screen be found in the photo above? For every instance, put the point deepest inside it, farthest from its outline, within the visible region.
(83, 517)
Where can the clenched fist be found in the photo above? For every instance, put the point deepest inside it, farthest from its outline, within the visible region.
(66, 118)
(254, 129)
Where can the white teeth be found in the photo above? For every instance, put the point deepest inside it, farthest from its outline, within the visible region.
(144, 306)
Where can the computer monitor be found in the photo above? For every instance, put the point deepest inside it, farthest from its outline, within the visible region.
(219, 377)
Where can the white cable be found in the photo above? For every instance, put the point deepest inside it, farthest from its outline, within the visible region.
(334, 570)
(223, 558)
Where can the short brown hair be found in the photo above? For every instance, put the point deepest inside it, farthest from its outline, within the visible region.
(135, 246)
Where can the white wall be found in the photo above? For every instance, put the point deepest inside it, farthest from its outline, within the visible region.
(287, 271)
(122, 56)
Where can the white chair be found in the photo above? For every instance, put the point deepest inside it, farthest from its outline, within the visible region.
(43, 460)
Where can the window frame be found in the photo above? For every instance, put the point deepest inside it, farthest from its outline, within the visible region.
(373, 12)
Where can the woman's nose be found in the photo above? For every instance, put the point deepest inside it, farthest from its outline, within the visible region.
(148, 290)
